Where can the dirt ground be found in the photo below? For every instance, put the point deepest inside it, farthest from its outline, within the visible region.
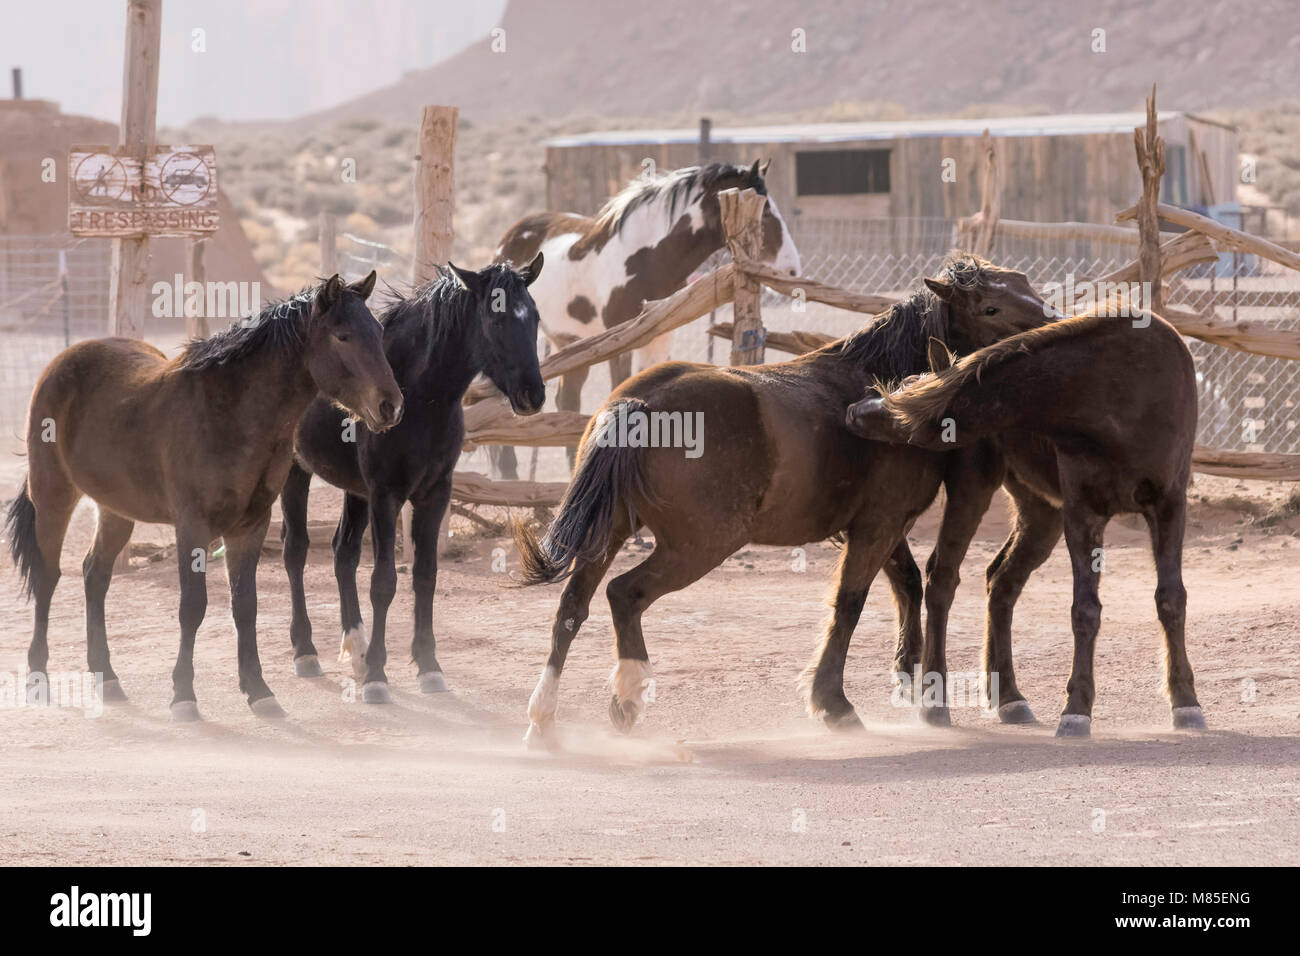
(724, 769)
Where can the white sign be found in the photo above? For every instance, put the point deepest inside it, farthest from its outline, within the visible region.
(112, 194)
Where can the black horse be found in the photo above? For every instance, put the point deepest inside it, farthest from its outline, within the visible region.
(437, 340)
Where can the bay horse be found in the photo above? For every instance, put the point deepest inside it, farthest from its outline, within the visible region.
(643, 244)
(202, 442)
(437, 340)
(1093, 416)
(779, 468)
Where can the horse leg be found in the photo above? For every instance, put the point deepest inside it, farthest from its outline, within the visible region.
(905, 582)
(383, 587)
(111, 535)
(293, 508)
(1167, 524)
(670, 567)
(568, 398)
(1083, 536)
(425, 519)
(347, 555)
(575, 604)
(822, 682)
(192, 561)
(1036, 529)
(242, 553)
(973, 476)
(54, 503)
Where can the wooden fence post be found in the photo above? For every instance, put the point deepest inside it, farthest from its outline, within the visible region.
(328, 240)
(990, 200)
(435, 206)
(1151, 161)
(196, 326)
(742, 213)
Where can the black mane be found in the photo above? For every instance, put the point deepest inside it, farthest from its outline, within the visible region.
(677, 187)
(419, 321)
(894, 345)
(278, 326)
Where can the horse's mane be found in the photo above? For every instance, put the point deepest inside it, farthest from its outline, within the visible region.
(278, 326)
(676, 189)
(929, 399)
(419, 320)
(893, 345)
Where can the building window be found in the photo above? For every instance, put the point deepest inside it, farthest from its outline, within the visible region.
(842, 172)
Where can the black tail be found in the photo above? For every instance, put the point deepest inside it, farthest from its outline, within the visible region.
(607, 476)
(20, 526)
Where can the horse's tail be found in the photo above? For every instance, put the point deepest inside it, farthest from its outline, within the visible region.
(920, 410)
(20, 526)
(607, 478)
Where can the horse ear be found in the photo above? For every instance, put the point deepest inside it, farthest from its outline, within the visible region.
(753, 170)
(762, 170)
(329, 293)
(366, 286)
(468, 278)
(944, 290)
(530, 272)
(940, 357)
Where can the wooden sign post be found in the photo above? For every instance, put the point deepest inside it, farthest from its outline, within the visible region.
(129, 274)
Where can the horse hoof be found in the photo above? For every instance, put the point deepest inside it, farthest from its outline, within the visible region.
(185, 712)
(1189, 718)
(432, 682)
(1074, 725)
(112, 692)
(1016, 712)
(846, 722)
(376, 692)
(539, 737)
(307, 666)
(622, 716)
(935, 716)
(267, 708)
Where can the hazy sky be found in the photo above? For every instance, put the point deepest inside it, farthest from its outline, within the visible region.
(264, 58)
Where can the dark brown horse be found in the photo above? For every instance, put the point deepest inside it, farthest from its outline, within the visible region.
(202, 442)
(1093, 417)
(778, 467)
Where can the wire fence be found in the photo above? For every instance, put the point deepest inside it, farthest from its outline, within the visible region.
(54, 291)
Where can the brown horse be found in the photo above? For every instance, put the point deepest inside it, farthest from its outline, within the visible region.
(780, 468)
(202, 442)
(1093, 417)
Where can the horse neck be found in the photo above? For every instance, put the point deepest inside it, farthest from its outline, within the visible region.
(904, 357)
(451, 365)
(271, 387)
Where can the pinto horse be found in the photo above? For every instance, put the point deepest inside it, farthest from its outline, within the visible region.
(437, 340)
(1092, 416)
(202, 442)
(778, 467)
(643, 244)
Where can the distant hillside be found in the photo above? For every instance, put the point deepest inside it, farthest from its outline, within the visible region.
(679, 58)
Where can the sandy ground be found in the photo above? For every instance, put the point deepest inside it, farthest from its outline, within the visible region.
(725, 768)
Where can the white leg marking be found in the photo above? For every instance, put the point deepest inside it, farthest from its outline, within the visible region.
(353, 648)
(542, 705)
(634, 685)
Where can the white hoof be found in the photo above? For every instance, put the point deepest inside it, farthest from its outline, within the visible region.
(1074, 725)
(353, 648)
(1189, 718)
(307, 666)
(432, 682)
(185, 712)
(267, 708)
(540, 736)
